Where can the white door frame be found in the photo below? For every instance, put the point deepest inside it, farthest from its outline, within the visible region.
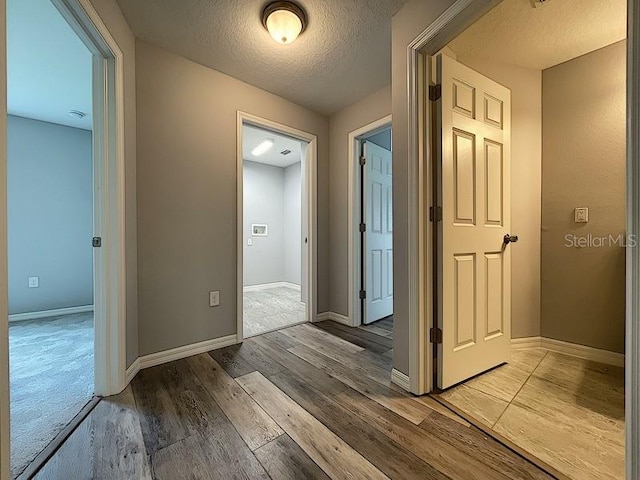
(355, 249)
(109, 200)
(109, 261)
(311, 210)
(419, 186)
(436, 36)
(5, 453)
(632, 349)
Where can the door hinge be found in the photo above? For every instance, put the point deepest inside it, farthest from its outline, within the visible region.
(96, 242)
(363, 294)
(435, 214)
(363, 227)
(435, 335)
(363, 161)
(435, 92)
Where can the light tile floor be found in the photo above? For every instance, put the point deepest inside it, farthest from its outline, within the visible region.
(270, 309)
(566, 411)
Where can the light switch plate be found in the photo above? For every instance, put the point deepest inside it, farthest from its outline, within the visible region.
(250, 242)
(214, 299)
(581, 215)
(34, 282)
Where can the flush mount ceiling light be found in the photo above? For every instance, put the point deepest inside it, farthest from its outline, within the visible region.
(284, 21)
(263, 147)
(77, 114)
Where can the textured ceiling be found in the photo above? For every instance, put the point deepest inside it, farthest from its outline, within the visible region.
(344, 55)
(253, 136)
(516, 33)
(48, 67)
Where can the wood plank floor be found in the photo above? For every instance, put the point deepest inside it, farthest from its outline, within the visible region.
(307, 402)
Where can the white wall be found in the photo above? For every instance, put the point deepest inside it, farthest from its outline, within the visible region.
(263, 192)
(382, 139)
(293, 223)
(50, 215)
(272, 195)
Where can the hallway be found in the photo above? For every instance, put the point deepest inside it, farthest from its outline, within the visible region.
(297, 403)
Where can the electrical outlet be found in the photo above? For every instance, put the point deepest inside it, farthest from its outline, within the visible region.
(34, 282)
(214, 299)
(581, 215)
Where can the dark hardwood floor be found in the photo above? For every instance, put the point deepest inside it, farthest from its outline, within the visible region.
(306, 402)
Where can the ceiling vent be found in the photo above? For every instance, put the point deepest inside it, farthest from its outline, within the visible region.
(285, 152)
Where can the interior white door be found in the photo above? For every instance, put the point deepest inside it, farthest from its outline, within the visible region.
(474, 281)
(378, 264)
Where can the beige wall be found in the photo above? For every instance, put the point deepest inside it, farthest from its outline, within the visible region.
(112, 17)
(584, 166)
(371, 108)
(187, 195)
(409, 22)
(526, 172)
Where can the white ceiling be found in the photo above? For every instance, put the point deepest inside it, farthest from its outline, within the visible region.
(253, 136)
(344, 55)
(516, 33)
(48, 67)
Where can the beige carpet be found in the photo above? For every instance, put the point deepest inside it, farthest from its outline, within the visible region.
(51, 379)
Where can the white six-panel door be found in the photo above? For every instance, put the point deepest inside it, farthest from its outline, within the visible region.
(474, 114)
(378, 250)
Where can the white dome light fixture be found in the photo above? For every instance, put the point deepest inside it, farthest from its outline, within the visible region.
(284, 21)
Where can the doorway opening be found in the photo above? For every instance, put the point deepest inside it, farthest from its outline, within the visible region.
(530, 175)
(65, 230)
(371, 228)
(50, 226)
(276, 223)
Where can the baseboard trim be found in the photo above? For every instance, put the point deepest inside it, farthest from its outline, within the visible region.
(571, 349)
(20, 317)
(336, 317)
(185, 351)
(401, 380)
(582, 351)
(132, 371)
(267, 286)
(525, 343)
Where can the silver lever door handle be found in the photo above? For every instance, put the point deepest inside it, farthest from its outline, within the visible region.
(510, 239)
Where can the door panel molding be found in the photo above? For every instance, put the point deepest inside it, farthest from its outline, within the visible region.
(419, 189)
(444, 29)
(354, 249)
(377, 236)
(470, 298)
